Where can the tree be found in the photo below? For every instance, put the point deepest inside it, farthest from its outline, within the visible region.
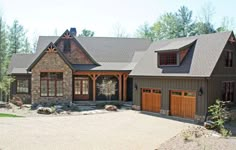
(144, 31)
(227, 24)
(185, 21)
(18, 43)
(119, 31)
(87, 33)
(203, 28)
(167, 27)
(3, 49)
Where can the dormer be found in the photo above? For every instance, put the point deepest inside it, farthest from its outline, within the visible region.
(173, 53)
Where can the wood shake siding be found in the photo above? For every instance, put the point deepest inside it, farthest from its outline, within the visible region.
(167, 84)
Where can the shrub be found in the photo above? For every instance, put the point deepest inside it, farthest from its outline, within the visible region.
(218, 116)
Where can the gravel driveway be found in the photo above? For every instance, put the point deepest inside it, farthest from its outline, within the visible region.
(116, 130)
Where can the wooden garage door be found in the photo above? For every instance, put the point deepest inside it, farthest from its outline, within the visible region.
(183, 103)
(151, 100)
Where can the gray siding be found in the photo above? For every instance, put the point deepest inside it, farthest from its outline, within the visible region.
(167, 84)
(221, 74)
(220, 69)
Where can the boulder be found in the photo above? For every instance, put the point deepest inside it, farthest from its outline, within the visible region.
(110, 108)
(45, 110)
(59, 110)
(17, 101)
(135, 107)
(209, 125)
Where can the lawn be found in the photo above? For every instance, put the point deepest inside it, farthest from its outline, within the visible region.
(8, 115)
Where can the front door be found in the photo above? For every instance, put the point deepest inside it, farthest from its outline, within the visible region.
(81, 88)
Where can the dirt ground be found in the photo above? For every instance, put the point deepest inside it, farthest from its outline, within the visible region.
(117, 130)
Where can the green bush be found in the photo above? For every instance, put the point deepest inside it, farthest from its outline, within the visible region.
(218, 116)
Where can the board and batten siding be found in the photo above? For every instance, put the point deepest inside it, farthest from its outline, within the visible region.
(221, 74)
(167, 84)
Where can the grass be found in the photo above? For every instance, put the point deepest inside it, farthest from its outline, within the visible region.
(8, 115)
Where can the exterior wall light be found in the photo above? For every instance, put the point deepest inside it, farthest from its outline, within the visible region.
(200, 92)
(136, 86)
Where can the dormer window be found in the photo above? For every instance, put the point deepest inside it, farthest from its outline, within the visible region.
(67, 45)
(168, 58)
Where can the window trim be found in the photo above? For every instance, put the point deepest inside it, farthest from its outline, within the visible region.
(55, 85)
(226, 59)
(28, 86)
(170, 52)
(81, 80)
(224, 90)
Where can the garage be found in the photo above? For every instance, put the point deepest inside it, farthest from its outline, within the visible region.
(151, 99)
(183, 103)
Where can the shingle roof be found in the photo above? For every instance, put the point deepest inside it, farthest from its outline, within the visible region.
(19, 63)
(177, 44)
(199, 62)
(113, 53)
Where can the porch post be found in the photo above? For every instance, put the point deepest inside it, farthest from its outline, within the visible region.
(120, 86)
(125, 76)
(94, 78)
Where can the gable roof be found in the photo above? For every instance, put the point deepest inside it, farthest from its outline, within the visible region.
(67, 32)
(199, 62)
(105, 49)
(35, 61)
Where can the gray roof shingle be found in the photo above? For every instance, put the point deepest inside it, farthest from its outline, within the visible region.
(199, 62)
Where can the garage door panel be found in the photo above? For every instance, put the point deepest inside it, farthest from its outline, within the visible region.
(156, 102)
(151, 99)
(183, 103)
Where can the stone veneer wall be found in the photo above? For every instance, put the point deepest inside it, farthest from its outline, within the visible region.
(51, 62)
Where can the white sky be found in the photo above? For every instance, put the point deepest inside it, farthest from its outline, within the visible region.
(42, 17)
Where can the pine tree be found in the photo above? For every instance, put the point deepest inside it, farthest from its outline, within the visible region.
(18, 43)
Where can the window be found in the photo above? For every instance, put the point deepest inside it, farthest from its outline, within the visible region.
(81, 86)
(67, 45)
(168, 58)
(51, 84)
(229, 59)
(228, 91)
(22, 86)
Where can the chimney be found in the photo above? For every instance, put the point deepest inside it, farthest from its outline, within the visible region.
(73, 31)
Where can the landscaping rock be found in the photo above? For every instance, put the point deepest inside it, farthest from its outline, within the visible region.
(135, 107)
(209, 125)
(59, 110)
(45, 110)
(17, 101)
(110, 108)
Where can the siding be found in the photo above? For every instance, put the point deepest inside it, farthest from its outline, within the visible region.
(167, 84)
(26, 98)
(221, 74)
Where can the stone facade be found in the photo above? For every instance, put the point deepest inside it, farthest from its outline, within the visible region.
(75, 55)
(51, 62)
(199, 119)
(165, 112)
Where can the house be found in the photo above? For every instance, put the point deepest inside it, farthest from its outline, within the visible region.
(179, 77)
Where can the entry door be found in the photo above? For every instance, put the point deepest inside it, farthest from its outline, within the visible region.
(81, 88)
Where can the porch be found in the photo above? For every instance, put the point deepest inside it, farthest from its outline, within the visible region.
(100, 86)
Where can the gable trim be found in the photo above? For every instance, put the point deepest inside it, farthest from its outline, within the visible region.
(67, 32)
(51, 48)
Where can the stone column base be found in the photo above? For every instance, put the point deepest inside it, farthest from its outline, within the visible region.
(199, 118)
(136, 107)
(165, 112)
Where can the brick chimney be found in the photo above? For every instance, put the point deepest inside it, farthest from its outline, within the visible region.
(73, 31)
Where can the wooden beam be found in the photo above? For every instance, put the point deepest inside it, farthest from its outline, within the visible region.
(120, 86)
(125, 77)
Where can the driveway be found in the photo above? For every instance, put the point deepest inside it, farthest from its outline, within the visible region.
(110, 131)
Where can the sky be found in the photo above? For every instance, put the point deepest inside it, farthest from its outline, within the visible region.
(48, 17)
